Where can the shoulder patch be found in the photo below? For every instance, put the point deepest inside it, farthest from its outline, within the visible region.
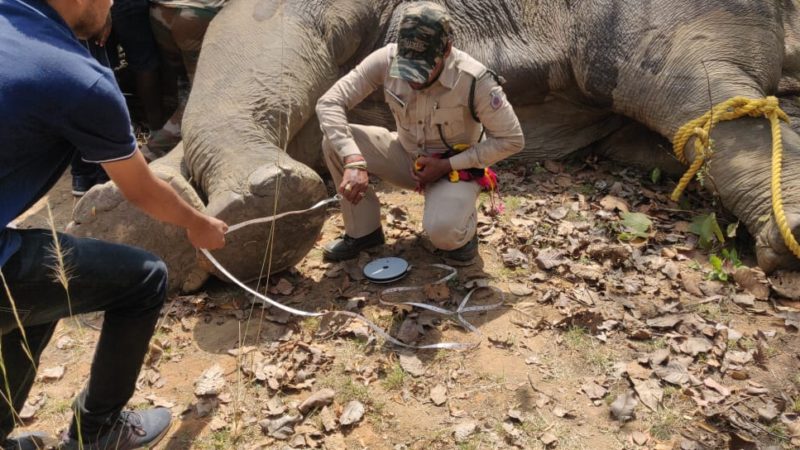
(498, 99)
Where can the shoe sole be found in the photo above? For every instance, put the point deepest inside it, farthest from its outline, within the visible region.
(78, 193)
(152, 444)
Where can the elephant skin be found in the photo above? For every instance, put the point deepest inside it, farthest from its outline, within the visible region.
(579, 74)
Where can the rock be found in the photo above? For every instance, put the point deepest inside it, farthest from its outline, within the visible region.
(352, 413)
(623, 407)
(439, 395)
(464, 430)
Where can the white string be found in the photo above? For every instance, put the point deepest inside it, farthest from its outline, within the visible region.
(458, 313)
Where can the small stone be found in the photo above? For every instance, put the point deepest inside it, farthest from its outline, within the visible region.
(316, 400)
(464, 430)
(352, 413)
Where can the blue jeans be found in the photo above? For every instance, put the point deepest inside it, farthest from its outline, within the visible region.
(127, 283)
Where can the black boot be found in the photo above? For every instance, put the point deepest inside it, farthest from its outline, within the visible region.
(465, 253)
(348, 248)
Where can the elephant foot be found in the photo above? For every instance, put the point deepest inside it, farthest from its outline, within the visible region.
(103, 213)
(771, 250)
(258, 250)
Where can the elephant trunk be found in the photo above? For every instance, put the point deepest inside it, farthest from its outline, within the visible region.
(740, 173)
(258, 78)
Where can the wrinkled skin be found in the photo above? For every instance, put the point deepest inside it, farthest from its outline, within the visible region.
(620, 76)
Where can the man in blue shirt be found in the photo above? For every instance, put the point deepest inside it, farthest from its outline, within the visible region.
(55, 100)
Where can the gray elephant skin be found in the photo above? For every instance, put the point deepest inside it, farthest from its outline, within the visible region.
(620, 76)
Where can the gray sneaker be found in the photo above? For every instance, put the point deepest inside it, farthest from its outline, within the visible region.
(133, 430)
(27, 441)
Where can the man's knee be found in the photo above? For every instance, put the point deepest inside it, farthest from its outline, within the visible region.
(445, 235)
(155, 282)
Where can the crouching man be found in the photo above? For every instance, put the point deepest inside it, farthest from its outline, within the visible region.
(56, 101)
(443, 102)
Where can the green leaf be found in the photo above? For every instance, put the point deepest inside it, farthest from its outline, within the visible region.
(655, 175)
(635, 226)
(707, 228)
(730, 231)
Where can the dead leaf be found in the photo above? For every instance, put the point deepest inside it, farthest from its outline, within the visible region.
(65, 342)
(594, 391)
(713, 384)
(747, 300)
(695, 345)
(281, 428)
(436, 291)
(550, 258)
(786, 284)
(671, 270)
(323, 397)
(328, 419)
(52, 374)
(769, 412)
(557, 213)
(622, 409)
(553, 166)
(753, 281)
(548, 439)
(352, 413)
(673, 373)
(639, 438)
(210, 382)
(649, 392)
(515, 258)
(519, 289)
(668, 321)
(411, 364)
(612, 203)
(282, 287)
(791, 318)
(32, 405)
(558, 411)
(439, 395)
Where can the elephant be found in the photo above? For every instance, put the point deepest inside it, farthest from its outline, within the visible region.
(618, 76)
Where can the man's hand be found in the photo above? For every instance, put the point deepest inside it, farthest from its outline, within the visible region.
(355, 182)
(155, 197)
(430, 170)
(208, 232)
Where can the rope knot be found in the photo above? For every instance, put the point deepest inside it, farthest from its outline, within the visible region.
(731, 109)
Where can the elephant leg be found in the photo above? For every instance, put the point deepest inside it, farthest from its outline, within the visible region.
(105, 214)
(636, 145)
(740, 173)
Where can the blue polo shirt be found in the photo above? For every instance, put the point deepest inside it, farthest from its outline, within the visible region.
(55, 99)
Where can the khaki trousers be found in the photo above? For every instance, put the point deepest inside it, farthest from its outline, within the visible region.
(449, 218)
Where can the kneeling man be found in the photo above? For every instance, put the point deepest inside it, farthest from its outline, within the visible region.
(443, 102)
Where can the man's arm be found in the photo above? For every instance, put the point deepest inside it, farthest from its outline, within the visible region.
(332, 109)
(503, 132)
(344, 95)
(156, 198)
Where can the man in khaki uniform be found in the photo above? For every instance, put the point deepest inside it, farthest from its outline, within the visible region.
(427, 85)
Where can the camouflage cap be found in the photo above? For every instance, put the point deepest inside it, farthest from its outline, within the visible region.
(421, 41)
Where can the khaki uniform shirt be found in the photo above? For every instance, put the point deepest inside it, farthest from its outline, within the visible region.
(419, 114)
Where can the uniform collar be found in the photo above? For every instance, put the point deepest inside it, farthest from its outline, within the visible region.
(450, 72)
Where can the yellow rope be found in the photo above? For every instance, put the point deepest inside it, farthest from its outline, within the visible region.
(731, 109)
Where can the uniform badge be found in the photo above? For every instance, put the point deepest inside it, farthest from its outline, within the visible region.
(497, 100)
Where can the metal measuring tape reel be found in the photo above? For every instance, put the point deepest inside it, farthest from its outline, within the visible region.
(386, 270)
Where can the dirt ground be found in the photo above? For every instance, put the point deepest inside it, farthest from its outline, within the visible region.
(613, 334)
